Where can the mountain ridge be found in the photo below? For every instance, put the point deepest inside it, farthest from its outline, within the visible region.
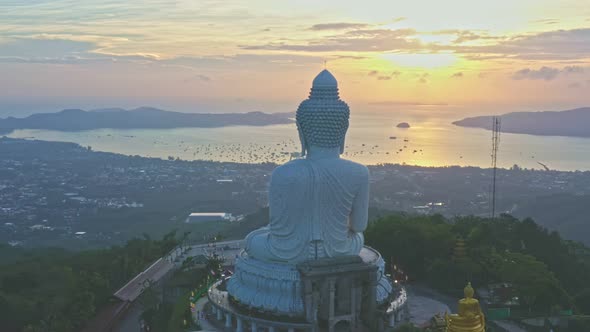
(572, 123)
(138, 118)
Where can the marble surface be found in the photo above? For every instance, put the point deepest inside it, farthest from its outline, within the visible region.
(318, 204)
(318, 209)
(276, 287)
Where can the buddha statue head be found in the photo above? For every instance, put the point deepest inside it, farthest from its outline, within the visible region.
(468, 291)
(322, 119)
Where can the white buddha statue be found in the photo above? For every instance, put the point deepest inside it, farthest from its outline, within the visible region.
(318, 209)
(318, 204)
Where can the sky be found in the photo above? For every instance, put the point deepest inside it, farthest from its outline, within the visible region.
(227, 55)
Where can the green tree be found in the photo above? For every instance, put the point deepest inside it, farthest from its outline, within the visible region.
(537, 286)
(582, 301)
(408, 328)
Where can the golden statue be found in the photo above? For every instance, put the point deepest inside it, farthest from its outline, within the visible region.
(469, 318)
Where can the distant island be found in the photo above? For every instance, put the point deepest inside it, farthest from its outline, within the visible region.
(404, 125)
(139, 118)
(575, 123)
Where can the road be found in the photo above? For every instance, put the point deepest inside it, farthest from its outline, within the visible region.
(200, 306)
(227, 249)
(423, 303)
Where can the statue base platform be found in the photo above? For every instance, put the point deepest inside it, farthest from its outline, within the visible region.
(277, 288)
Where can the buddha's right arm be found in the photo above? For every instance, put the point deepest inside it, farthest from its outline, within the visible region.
(359, 215)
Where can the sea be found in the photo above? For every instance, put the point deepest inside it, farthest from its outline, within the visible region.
(373, 138)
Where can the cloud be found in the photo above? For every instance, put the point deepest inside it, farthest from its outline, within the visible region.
(463, 36)
(203, 78)
(544, 73)
(556, 44)
(394, 74)
(352, 57)
(574, 85)
(457, 75)
(360, 40)
(43, 48)
(65, 60)
(51, 50)
(241, 61)
(423, 78)
(360, 37)
(337, 26)
(573, 69)
(405, 103)
(384, 77)
(54, 50)
(550, 45)
(546, 21)
(198, 77)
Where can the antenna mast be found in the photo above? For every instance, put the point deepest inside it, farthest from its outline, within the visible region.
(496, 125)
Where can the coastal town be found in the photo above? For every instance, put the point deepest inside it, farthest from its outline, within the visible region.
(64, 194)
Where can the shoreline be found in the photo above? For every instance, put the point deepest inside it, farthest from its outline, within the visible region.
(381, 164)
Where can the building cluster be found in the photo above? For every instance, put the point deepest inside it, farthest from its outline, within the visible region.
(466, 190)
(51, 190)
(54, 190)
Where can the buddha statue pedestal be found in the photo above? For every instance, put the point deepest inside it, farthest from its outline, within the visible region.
(277, 288)
(270, 287)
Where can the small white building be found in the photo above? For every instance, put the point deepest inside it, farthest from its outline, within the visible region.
(197, 217)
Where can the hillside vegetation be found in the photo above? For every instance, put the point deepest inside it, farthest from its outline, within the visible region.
(57, 290)
(548, 272)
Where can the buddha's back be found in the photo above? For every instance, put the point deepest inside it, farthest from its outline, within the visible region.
(317, 208)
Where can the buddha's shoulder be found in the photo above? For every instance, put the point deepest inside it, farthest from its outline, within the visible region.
(354, 167)
(301, 167)
(470, 301)
(293, 169)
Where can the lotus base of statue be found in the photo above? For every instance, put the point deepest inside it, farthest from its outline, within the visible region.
(276, 288)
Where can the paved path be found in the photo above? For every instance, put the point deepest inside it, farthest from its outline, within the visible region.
(424, 303)
(509, 326)
(227, 249)
(200, 306)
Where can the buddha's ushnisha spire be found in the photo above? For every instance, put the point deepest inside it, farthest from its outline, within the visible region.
(322, 119)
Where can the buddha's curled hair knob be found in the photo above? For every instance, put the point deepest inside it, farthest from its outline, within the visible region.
(322, 119)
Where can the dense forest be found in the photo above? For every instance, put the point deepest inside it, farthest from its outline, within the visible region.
(549, 273)
(57, 290)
